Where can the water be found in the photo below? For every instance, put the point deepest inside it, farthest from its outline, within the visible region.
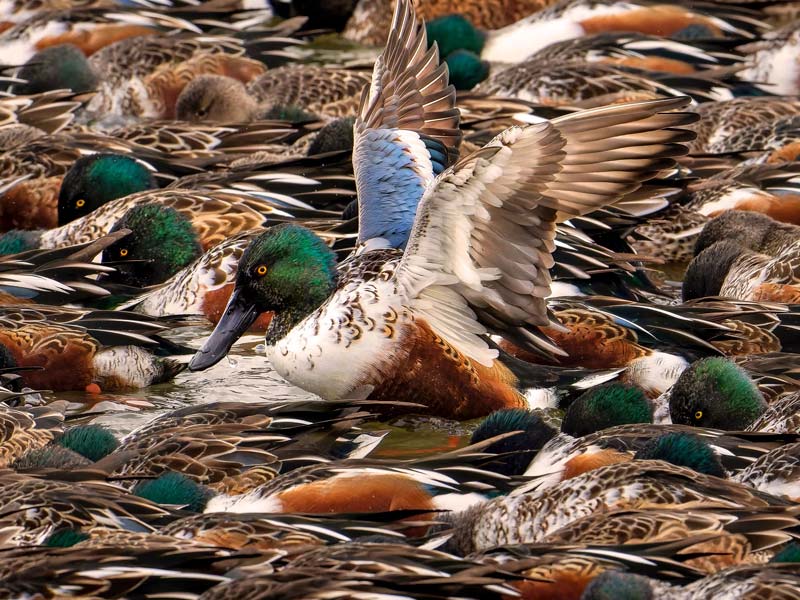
(246, 376)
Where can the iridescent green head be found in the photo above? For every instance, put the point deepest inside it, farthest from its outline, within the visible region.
(94, 180)
(715, 392)
(92, 441)
(454, 32)
(289, 112)
(606, 406)
(466, 69)
(684, 450)
(61, 67)
(288, 270)
(161, 243)
(618, 585)
(522, 447)
(336, 135)
(51, 456)
(174, 489)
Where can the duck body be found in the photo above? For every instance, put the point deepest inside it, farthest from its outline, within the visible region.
(391, 353)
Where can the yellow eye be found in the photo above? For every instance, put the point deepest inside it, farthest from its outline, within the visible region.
(80, 203)
(261, 270)
(123, 252)
(698, 415)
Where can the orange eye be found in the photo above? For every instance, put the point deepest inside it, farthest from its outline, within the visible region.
(261, 270)
(698, 415)
(80, 203)
(123, 252)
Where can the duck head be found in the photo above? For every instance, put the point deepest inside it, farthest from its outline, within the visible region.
(707, 271)
(216, 99)
(287, 270)
(57, 68)
(94, 180)
(606, 406)
(683, 450)
(161, 243)
(715, 392)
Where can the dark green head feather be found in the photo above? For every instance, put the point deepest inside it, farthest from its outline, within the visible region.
(61, 67)
(466, 69)
(289, 112)
(51, 457)
(336, 135)
(174, 489)
(715, 392)
(92, 441)
(684, 450)
(94, 180)
(606, 406)
(287, 269)
(522, 447)
(454, 32)
(706, 273)
(618, 585)
(161, 243)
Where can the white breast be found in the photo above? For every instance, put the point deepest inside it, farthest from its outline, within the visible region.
(339, 351)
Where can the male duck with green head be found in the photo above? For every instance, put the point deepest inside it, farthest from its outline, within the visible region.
(412, 324)
(91, 182)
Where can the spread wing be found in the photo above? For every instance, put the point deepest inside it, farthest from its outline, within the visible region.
(481, 248)
(406, 131)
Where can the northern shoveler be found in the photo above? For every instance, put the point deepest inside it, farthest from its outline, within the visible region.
(570, 19)
(530, 517)
(321, 91)
(730, 270)
(81, 350)
(415, 312)
(749, 581)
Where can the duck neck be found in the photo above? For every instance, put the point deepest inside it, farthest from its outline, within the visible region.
(283, 322)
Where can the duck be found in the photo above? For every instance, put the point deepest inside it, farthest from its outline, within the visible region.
(379, 569)
(87, 350)
(203, 287)
(221, 447)
(456, 478)
(370, 20)
(214, 215)
(65, 275)
(293, 534)
(627, 485)
(532, 447)
(569, 19)
(323, 91)
(749, 124)
(766, 189)
(429, 306)
(715, 392)
(752, 230)
(28, 429)
(730, 270)
(147, 563)
(81, 506)
(746, 582)
(775, 472)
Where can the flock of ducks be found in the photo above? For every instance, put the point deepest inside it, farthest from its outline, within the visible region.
(478, 215)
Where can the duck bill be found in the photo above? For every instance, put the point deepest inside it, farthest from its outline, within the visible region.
(239, 315)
